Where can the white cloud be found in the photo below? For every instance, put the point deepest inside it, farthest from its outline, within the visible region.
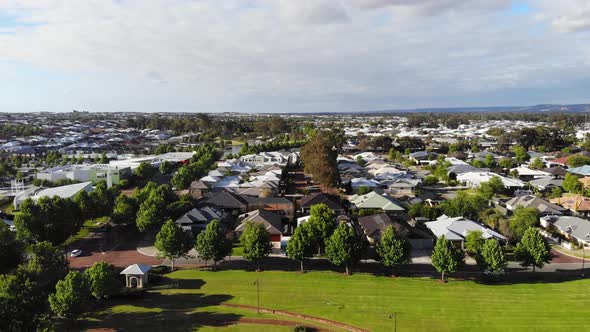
(297, 55)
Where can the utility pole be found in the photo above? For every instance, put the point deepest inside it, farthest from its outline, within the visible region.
(258, 296)
(394, 321)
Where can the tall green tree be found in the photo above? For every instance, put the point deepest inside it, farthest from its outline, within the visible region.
(446, 258)
(474, 242)
(533, 249)
(125, 210)
(173, 242)
(22, 305)
(344, 247)
(46, 264)
(145, 171)
(492, 256)
(520, 154)
(212, 243)
(70, 299)
(393, 250)
(102, 280)
(51, 219)
(319, 156)
(522, 219)
(256, 242)
(322, 223)
(571, 184)
(11, 250)
(300, 245)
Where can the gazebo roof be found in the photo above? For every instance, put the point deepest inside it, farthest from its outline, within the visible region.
(139, 269)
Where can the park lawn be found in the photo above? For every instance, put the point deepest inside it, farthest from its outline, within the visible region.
(421, 303)
(363, 300)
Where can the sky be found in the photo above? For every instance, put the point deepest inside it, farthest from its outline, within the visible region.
(291, 56)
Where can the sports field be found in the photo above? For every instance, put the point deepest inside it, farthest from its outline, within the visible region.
(198, 300)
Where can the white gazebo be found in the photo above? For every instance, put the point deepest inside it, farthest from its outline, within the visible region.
(136, 275)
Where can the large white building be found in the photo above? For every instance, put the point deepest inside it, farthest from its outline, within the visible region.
(83, 173)
(36, 193)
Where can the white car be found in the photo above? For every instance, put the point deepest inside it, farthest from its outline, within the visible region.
(75, 253)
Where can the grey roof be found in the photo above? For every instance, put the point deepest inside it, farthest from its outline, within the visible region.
(577, 227)
(139, 269)
(546, 182)
(198, 216)
(459, 169)
(531, 201)
(272, 222)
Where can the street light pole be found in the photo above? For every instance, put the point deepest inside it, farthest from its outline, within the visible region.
(258, 296)
(394, 321)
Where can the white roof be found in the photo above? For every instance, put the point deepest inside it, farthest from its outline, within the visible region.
(457, 228)
(476, 178)
(140, 269)
(525, 171)
(63, 191)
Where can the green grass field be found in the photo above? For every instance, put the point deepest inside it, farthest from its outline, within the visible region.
(362, 300)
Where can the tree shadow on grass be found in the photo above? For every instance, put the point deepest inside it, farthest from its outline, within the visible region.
(169, 310)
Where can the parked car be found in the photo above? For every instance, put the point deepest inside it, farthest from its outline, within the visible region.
(75, 253)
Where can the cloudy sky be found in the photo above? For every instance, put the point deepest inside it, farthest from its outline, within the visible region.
(291, 55)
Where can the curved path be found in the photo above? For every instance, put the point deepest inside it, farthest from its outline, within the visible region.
(300, 316)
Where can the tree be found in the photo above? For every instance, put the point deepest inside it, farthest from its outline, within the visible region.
(125, 209)
(152, 211)
(11, 250)
(51, 219)
(256, 242)
(446, 258)
(492, 187)
(571, 184)
(533, 249)
(522, 219)
(578, 160)
(322, 223)
(466, 204)
(393, 250)
(212, 244)
(85, 204)
(166, 167)
(103, 159)
(102, 280)
(492, 256)
(46, 264)
(537, 163)
(520, 154)
(474, 242)
(173, 242)
(319, 156)
(363, 190)
(145, 171)
(22, 305)
(506, 163)
(299, 246)
(71, 296)
(343, 247)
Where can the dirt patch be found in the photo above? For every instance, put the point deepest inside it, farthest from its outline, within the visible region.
(300, 316)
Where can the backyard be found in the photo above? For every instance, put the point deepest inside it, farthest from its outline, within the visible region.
(193, 299)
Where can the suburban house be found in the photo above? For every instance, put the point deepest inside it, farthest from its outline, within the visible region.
(474, 180)
(582, 170)
(530, 201)
(230, 203)
(374, 200)
(576, 203)
(570, 227)
(307, 201)
(423, 157)
(527, 174)
(197, 219)
(401, 186)
(546, 183)
(373, 226)
(557, 172)
(273, 223)
(456, 229)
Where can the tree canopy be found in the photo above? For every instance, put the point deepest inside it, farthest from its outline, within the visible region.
(343, 247)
